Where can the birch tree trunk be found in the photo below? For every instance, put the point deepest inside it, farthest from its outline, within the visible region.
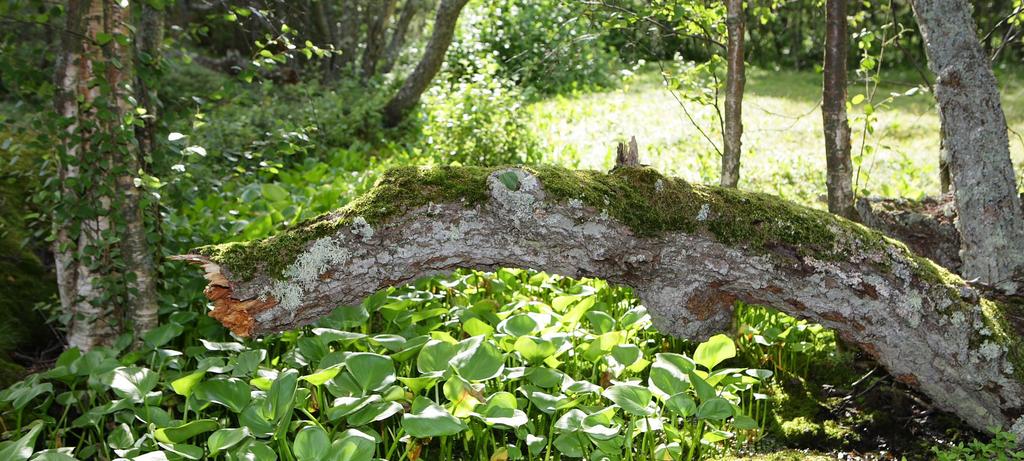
(839, 176)
(100, 244)
(735, 81)
(990, 222)
(430, 63)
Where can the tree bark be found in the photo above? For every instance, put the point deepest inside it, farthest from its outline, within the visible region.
(100, 243)
(689, 251)
(430, 63)
(839, 175)
(990, 222)
(141, 261)
(394, 48)
(378, 18)
(735, 80)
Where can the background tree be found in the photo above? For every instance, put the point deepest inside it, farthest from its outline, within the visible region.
(839, 177)
(103, 261)
(433, 57)
(735, 80)
(990, 219)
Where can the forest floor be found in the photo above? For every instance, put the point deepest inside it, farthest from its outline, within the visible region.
(783, 150)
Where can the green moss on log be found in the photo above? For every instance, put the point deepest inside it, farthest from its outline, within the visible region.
(641, 198)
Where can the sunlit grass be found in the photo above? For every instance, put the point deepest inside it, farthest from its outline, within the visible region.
(783, 145)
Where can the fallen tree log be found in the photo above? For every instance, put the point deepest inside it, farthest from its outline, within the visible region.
(689, 251)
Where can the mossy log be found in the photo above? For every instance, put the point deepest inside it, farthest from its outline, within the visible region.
(689, 251)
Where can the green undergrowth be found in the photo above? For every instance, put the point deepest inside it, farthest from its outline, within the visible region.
(641, 198)
(512, 365)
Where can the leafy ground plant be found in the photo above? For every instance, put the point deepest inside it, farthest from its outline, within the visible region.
(506, 365)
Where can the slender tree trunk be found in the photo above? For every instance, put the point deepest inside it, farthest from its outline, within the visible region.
(433, 57)
(735, 80)
(95, 246)
(839, 177)
(405, 18)
(379, 17)
(140, 258)
(974, 130)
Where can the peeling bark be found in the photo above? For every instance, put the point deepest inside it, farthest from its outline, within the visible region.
(920, 322)
(976, 145)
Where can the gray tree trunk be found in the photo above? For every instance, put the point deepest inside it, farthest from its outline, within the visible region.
(378, 19)
(976, 143)
(430, 63)
(839, 175)
(394, 48)
(735, 81)
(688, 251)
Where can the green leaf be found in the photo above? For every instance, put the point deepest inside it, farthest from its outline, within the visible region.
(133, 382)
(320, 377)
(162, 334)
(373, 412)
(714, 351)
(633, 399)
(372, 372)
(427, 419)
(273, 192)
(183, 385)
(669, 374)
(229, 392)
(225, 438)
(681, 404)
(500, 409)
(533, 349)
(462, 395)
(102, 38)
(22, 449)
(311, 444)
(281, 398)
(510, 180)
(353, 445)
(435, 356)
(185, 431)
(478, 359)
(716, 409)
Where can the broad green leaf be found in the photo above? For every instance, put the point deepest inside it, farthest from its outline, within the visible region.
(633, 399)
(223, 439)
(183, 386)
(133, 382)
(22, 449)
(435, 356)
(229, 392)
(533, 349)
(372, 372)
(376, 411)
(716, 409)
(274, 192)
(713, 351)
(311, 444)
(162, 334)
(478, 359)
(320, 377)
(463, 397)
(681, 404)
(353, 445)
(429, 420)
(281, 398)
(186, 431)
(669, 374)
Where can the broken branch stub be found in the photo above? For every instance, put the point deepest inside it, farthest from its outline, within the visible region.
(689, 251)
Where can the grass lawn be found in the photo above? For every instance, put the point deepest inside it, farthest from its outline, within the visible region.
(783, 146)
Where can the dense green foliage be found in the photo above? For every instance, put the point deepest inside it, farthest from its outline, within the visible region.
(254, 139)
(523, 364)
